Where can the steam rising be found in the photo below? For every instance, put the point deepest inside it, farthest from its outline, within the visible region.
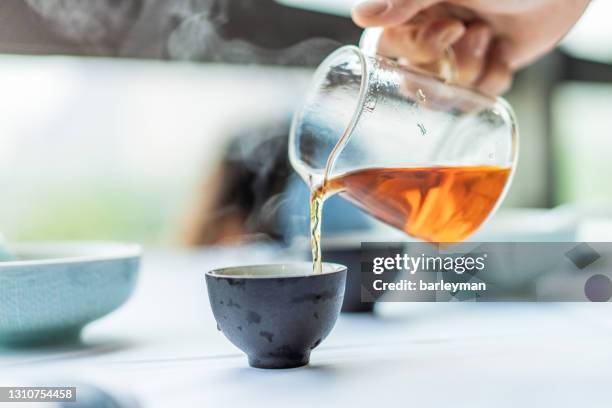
(91, 22)
(177, 29)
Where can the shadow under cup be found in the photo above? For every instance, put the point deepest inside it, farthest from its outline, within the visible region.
(276, 314)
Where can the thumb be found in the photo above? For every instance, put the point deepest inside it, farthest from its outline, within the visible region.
(385, 13)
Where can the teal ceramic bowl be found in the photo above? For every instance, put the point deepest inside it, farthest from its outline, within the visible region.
(51, 290)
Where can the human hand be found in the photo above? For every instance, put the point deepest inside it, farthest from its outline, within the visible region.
(489, 38)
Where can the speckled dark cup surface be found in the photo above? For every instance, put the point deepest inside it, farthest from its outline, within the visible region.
(277, 313)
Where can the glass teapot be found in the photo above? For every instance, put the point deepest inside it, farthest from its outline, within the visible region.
(408, 146)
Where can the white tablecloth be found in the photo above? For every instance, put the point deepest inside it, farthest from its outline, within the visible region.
(164, 349)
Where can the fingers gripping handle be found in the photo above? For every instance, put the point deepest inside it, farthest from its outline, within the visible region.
(445, 68)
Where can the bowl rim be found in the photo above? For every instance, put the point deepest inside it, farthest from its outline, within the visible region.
(84, 251)
(219, 272)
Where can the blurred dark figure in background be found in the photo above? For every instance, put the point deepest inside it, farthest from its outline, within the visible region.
(255, 195)
(241, 198)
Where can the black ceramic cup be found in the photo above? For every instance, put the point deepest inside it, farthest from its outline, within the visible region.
(277, 313)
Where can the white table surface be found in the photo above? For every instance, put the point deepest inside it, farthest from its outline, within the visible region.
(163, 347)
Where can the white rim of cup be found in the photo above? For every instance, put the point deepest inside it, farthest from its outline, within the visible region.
(334, 268)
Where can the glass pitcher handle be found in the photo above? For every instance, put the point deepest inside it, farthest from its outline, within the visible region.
(369, 41)
(446, 68)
